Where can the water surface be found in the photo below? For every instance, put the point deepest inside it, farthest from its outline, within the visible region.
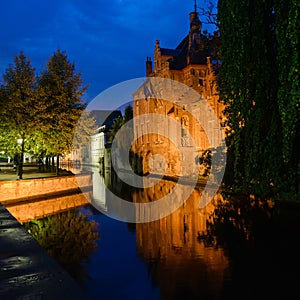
(234, 250)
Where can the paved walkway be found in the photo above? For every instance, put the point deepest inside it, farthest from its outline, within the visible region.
(27, 271)
(30, 171)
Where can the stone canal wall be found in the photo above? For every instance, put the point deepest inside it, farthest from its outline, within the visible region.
(28, 188)
(31, 199)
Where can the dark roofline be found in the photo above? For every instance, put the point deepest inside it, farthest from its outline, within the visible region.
(169, 52)
(105, 117)
(183, 43)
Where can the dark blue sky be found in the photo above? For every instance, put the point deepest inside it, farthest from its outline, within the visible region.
(108, 40)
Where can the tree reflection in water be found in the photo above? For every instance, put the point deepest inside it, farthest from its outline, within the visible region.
(234, 248)
(236, 220)
(69, 237)
(260, 239)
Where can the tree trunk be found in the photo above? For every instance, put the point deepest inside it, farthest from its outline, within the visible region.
(47, 163)
(57, 165)
(21, 160)
(53, 164)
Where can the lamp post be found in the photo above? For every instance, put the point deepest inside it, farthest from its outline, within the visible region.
(20, 166)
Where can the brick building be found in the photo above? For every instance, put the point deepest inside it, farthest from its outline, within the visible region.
(191, 64)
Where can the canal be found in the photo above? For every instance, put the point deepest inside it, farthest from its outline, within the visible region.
(234, 248)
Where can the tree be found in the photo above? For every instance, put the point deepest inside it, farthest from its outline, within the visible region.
(60, 90)
(116, 126)
(85, 128)
(258, 56)
(124, 141)
(288, 61)
(118, 123)
(209, 12)
(128, 113)
(19, 107)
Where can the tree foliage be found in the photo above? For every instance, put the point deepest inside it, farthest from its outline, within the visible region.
(288, 61)
(127, 135)
(60, 91)
(42, 111)
(259, 85)
(19, 108)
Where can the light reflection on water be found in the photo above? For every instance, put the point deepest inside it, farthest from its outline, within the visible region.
(159, 260)
(222, 252)
(184, 267)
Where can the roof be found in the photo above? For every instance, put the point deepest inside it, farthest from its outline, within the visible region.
(198, 54)
(169, 52)
(105, 117)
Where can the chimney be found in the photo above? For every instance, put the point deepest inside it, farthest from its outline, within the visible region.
(148, 66)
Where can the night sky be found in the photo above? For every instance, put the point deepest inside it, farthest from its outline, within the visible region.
(108, 40)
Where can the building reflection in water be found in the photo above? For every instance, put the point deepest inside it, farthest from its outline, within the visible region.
(99, 184)
(182, 265)
(179, 263)
(99, 195)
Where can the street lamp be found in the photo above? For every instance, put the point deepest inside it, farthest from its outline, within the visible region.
(20, 166)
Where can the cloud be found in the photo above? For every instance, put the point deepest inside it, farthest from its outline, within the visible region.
(108, 40)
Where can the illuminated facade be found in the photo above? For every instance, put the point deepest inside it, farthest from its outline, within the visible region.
(191, 64)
